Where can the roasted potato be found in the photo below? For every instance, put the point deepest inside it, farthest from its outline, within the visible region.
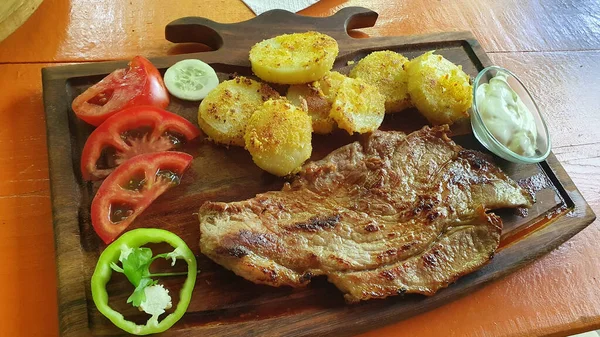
(310, 98)
(294, 58)
(329, 84)
(224, 113)
(385, 71)
(279, 137)
(319, 97)
(439, 88)
(358, 106)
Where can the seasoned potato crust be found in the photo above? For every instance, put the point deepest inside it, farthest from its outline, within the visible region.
(294, 58)
(439, 88)
(358, 106)
(279, 137)
(385, 71)
(224, 113)
(329, 84)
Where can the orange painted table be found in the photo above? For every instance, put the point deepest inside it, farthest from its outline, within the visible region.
(553, 45)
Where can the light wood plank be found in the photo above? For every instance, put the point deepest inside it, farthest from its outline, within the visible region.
(87, 30)
(565, 86)
(28, 273)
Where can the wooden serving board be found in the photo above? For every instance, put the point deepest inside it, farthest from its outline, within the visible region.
(222, 303)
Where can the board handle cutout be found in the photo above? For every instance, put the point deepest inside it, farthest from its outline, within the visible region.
(195, 29)
(357, 18)
(226, 39)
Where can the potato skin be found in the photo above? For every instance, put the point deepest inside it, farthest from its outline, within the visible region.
(308, 97)
(279, 137)
(225, 111)
(385, 70)
(319, 96)
(439, 89)
(294, 58)
(358, 106)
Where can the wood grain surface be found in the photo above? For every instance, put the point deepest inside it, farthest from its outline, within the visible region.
(28, 273)
(123, 29)
(556, 295)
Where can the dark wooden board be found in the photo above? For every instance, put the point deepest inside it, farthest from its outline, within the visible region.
(222, 303)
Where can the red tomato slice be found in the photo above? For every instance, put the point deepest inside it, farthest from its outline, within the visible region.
(130, 132)
(139, 84)
(132, 187)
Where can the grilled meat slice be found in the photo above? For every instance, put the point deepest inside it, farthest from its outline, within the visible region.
(393, 214)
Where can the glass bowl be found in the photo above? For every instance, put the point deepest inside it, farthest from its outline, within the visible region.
(485, 137)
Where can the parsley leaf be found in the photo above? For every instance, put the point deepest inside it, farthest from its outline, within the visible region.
(136, 267)
(137, 264)
(139, 294)
(172, 255)
(116, 268)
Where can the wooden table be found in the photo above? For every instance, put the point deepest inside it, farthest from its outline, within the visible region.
(554, 46)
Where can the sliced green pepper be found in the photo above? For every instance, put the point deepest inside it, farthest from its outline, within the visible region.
(113, 253)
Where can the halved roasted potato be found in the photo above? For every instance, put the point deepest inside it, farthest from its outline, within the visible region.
(310, 98)
(279, 137)
(294, 58)
(385, 71)
(224, 113)
(358, 106)
(439, 88)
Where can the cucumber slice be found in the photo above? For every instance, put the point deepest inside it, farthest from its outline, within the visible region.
(191, 79)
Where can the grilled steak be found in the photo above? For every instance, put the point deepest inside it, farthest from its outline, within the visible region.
(392, 214)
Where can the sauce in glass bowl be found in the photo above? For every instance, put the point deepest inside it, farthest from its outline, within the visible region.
(505, 118)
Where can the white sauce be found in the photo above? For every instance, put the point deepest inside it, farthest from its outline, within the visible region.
(506, 116)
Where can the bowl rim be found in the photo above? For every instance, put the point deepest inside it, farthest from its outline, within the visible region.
(497, 144)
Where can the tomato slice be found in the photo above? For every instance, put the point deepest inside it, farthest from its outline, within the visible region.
(139, 84)
(130, 132)
(132, 187)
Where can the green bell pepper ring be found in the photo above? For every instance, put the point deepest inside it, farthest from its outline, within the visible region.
(103, 272)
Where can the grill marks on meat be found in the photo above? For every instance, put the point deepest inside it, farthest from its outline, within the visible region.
(315, 224)
(458, 251)
(393, 214)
